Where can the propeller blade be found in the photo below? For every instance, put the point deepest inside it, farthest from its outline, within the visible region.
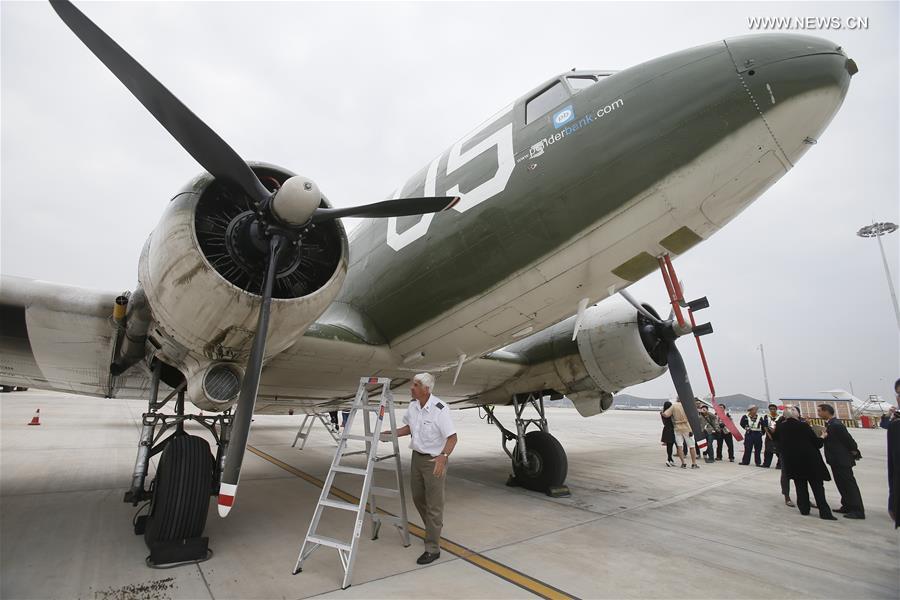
(637, 305)
(240, 428)
(194, 135)
(402, 207)
(683, 386)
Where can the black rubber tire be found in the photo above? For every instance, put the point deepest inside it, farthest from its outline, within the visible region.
(5, 389)
(547, 462)
(181, 490)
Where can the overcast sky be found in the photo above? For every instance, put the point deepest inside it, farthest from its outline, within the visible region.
(359, 96)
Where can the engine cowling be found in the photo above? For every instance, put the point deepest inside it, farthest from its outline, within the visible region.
(202, 282)
(609, 354)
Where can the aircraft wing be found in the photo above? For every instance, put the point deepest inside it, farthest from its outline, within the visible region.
(60, 337)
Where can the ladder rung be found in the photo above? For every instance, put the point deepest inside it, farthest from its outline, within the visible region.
(327, 541)
(382, 491)
(339, 504)
(355, 452)
(390, 519)
(361, 438)
(352, 470)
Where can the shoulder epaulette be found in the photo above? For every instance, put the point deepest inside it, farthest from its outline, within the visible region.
(440, 405)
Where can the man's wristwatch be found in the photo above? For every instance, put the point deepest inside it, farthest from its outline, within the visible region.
(445, 455)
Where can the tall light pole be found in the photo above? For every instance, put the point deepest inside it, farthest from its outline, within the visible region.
(876, 230)
(762, 355)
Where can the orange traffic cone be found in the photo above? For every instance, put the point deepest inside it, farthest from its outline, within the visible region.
(36, 419)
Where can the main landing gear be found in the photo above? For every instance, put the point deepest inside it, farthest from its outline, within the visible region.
(185, 478)
(538, 459)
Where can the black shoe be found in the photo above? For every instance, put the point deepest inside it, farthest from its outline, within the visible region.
(805, 514)
(840, 510)
(730, 460)
(695, 466)
(719, 458)
(854, 515)
(428, 557)
(828, 517)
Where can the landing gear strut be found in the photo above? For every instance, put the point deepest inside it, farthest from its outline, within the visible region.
(539, 460)
(185, 478)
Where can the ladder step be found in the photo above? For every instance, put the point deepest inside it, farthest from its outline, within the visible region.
(360, 438)
(351, 470)
(327, 541)
(339, 504)
(382, 491)
(390, 519)
(354, 452)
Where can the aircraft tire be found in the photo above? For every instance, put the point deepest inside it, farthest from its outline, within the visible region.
(181, 490)
(547, 463)
(5, 389)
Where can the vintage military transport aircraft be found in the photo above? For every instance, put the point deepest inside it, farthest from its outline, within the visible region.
(252, 298)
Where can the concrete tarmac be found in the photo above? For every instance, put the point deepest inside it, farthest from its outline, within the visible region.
(632, 528)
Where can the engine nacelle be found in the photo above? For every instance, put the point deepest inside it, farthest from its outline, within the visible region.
(203, 289)
(607, 356)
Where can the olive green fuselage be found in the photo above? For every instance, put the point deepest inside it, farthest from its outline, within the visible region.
(628, 134)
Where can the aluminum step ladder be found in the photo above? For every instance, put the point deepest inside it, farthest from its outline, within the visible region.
(367, 504)
(306, 426)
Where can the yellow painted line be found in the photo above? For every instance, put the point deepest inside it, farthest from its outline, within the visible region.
(535, 586)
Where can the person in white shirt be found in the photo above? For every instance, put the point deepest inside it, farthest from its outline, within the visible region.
(427, 421)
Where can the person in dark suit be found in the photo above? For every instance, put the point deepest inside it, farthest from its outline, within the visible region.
(802, 462)
(893, 461)
(841, 453)
(668, 434)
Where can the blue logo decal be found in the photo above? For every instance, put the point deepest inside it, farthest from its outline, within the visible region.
(563, 116)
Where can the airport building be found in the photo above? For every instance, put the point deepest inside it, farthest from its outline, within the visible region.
(843, 409)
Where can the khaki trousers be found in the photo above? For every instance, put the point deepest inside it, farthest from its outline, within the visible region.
(428, 496)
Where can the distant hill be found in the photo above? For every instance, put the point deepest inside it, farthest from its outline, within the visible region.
(733, 402)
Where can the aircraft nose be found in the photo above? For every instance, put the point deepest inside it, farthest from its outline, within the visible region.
(796, 82)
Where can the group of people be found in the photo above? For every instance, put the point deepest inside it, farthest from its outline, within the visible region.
(785, 436)
(677, 435)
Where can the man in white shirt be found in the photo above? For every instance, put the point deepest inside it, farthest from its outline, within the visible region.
(427, 421)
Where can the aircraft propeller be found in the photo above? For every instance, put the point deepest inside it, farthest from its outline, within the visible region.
(281, 216)
(659, 336)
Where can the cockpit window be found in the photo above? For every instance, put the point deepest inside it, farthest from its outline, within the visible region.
(579, 82)
(541, 104)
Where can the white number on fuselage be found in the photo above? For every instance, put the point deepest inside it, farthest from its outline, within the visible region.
(501, 140)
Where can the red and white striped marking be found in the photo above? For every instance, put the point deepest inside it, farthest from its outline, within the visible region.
(227, 492)
(36, 419)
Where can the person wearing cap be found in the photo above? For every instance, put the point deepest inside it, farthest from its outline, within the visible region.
(753, 427)
(427, 421)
